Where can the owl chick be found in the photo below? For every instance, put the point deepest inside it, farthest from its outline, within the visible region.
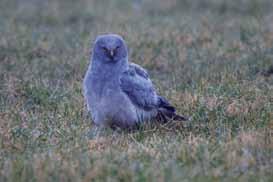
(118, 93)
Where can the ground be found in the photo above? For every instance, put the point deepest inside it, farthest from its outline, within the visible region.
(212, 59)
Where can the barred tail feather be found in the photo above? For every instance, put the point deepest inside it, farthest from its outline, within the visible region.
(167, 112)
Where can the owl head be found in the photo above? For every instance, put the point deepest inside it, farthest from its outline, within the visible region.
(109, 48)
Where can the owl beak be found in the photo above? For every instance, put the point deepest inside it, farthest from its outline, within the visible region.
(111, 54)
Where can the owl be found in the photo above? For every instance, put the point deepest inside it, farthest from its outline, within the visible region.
(120, 94)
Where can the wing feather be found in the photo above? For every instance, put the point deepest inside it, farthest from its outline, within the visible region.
(139, 70)
(136, 84)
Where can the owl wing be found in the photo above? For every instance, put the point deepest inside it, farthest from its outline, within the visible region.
(139, 70)
(135, 82)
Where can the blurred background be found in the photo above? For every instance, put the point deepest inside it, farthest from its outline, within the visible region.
(175, 39)
(158, 32)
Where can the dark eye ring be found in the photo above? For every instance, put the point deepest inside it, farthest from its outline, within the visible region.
(104, 48)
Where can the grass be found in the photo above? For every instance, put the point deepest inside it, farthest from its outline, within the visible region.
(212, 59)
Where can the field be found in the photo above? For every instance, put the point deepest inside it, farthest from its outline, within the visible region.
(212, 59)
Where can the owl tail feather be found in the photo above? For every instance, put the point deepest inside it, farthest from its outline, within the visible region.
(164, 116)
(166, 112)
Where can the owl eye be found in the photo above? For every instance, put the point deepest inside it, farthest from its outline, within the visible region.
(104, 48)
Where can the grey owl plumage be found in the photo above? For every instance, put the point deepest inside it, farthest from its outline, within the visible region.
(119, 93)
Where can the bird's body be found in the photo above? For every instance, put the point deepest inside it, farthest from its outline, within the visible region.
(119, 93)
